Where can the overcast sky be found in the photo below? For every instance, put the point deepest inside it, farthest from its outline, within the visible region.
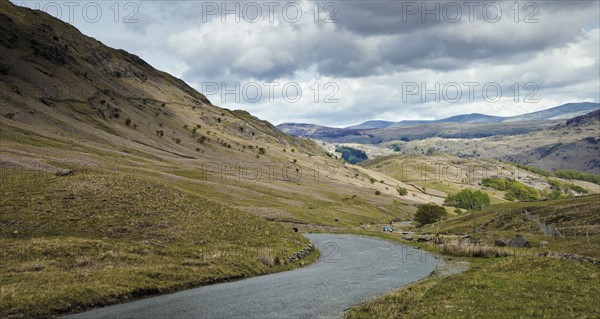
(353, 61)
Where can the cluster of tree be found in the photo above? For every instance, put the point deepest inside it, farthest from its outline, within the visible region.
(351, 155)
(573, 174)
(561, 189)
(515, 190)
(468, 199)
(563, 173)
(533, 169)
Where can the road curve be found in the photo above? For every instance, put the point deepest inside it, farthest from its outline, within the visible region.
(351, 270)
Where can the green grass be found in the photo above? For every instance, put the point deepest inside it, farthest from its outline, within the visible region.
(71, 243)
(576, 219)
(510, 287)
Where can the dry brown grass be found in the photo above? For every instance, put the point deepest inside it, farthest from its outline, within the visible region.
(475, 250)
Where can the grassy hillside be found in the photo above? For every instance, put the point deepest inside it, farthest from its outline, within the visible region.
(575, 223)
(434, 177)
(70, 243)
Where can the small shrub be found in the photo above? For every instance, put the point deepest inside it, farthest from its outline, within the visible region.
(429, 213)
(127, 121)
(177, 140)
(262, 151)
(9, 115)
(372, 180)
(402, 191)
(377, 193)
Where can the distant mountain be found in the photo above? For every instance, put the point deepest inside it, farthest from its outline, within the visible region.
(373, 132)
(370, 125)
(583, 119)
(412, 122)
(414, 132)
(313, 130)
(463, 118)
(561, 112)
(472, 118)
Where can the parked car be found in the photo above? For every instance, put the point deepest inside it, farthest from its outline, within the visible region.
(388, 228)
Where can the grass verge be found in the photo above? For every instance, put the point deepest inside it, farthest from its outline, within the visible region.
(510, 287)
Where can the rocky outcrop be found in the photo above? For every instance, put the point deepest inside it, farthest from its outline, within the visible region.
(501, 242)
(519, 242)
(65, 172)
(568, 256)
(468, 241)
(423, 239)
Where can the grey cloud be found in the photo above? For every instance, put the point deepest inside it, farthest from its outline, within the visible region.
(369, 40)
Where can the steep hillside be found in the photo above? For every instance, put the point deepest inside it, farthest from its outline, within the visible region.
(70, 102)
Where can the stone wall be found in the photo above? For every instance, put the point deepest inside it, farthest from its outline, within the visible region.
(300, 254)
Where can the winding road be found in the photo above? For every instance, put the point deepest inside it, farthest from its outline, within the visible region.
(351, 270)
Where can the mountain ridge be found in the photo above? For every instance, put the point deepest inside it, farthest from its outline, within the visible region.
(564, 111)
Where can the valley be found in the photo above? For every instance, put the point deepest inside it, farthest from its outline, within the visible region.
(122, 185)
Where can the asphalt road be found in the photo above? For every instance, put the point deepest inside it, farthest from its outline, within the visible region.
(351, 270)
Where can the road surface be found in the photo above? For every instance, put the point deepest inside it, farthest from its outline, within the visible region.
(351, 270)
